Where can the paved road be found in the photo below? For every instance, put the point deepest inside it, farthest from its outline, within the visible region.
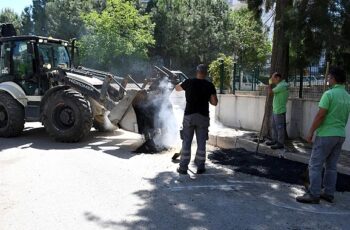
(101, 184)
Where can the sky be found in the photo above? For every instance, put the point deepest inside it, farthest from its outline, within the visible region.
(16, 5)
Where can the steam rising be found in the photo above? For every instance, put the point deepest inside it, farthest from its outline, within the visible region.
(161, 115)
(171, 114)
(165, 118)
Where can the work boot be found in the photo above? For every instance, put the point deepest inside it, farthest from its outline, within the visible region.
(201, 170)
(308, 198)
(326, 197)
(270, 143)
(277, 146)
(181, 171)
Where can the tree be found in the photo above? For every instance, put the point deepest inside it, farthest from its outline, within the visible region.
(306, 34)
(58, 18)
(280, 45)
(280, 54)
(115, 34)
(306, 31)
(311, 29)
(336, 32)
(345, 32)
(64, 18)
(9, 16)
(27, 23)
(189, 32)
(39, 17)
(215, 71)
(247, 38)
(280, 42)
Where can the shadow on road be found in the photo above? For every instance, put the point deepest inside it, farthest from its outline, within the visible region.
(37, 138)
(206, 203)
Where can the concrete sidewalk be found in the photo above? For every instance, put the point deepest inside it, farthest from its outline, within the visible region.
(297, 150)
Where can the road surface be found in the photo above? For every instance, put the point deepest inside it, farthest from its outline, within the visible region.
(101, 184)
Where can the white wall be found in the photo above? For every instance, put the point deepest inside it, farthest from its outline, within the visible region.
(246, 112)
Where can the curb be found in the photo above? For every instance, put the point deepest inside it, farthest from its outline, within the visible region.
(237, 142)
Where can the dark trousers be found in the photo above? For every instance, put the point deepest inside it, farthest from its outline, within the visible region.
(279, 128)
(199, 124)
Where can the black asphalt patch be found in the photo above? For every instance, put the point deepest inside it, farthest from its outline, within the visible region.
(149, 147)
(270, 167)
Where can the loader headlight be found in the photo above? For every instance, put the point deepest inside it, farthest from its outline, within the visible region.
(47, 66)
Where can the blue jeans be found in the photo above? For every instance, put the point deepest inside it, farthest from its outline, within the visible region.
(199, 124)
(325, 152)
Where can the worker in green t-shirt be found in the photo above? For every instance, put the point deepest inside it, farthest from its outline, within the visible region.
(280, 97)
(329, 125)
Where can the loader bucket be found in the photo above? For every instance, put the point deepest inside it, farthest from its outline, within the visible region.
(136, 112)
(123, 114)
(132, 113)
(139, 111)
(129, 121)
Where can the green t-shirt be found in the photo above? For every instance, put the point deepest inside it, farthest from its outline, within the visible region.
(280, 97)
(337, 103)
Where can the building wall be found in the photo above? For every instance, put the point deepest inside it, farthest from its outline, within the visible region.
(246, 112)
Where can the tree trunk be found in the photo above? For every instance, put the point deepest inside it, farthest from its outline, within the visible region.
(280, 55)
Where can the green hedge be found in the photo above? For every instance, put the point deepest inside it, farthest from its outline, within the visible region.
(214, 70)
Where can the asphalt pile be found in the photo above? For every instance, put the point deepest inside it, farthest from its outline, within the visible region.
(149, 147)
(270, 167)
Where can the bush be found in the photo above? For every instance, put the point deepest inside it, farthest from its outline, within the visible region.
(214, 70)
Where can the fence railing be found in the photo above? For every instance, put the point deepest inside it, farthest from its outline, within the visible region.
(248, 80)
(310, 83)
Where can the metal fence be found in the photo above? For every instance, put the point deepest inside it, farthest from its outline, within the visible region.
(248, 79)
(310, 83)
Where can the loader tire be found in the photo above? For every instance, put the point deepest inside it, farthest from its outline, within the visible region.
(11, 116)
(101, 126)
(67, 116)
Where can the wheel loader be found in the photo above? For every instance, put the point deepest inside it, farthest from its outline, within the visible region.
(39, 83)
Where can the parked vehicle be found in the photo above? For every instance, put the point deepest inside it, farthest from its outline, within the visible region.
(308, 80)
(247, 83)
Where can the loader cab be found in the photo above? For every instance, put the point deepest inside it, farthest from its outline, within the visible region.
(53, 55)
(16, 61)
(26, 60)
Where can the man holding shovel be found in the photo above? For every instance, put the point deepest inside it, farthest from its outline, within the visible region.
(199, 93)
(280, 97)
